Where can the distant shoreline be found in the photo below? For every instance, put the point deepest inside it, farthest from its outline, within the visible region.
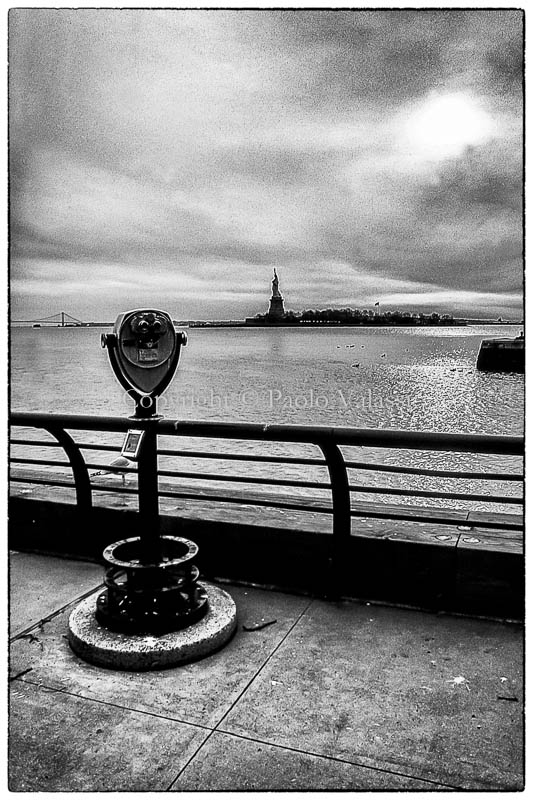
(300, 326)
(331, 324)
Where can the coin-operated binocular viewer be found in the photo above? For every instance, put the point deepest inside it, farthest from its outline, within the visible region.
(151, 581)
(144, 351)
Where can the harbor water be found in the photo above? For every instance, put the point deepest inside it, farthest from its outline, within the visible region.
(410, 378)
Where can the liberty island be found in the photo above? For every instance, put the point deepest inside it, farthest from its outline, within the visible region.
(276, 315)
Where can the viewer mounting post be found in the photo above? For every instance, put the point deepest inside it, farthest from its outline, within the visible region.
(151, 581)
(144, 351)
(152, 588)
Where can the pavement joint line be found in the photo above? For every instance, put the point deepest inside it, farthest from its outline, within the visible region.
(60, 690)
(56, 613)
(240, 695)
(265, 662)
(337, 759)
(180, 772)
(298, 617)
(211, 731)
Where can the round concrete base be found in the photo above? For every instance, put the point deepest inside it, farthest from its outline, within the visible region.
(105, 648)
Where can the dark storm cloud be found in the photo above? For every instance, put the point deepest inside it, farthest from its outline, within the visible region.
(207, 147)
(490, 190)
(388, 57)
(349, 57)
(505, 60)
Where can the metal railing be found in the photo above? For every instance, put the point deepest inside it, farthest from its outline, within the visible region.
(329, 440)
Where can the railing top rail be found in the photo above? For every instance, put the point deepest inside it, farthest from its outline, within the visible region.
(314, 434)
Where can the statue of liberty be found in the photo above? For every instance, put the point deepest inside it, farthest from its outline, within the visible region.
(275, 286)
(276, 310)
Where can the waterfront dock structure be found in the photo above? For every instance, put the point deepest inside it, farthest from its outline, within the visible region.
(353, 667)
(502, 355)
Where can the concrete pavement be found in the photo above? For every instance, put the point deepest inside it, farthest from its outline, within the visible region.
(329, 696)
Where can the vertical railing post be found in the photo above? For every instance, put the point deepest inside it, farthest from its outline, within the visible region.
(340, 495)
(149, 495)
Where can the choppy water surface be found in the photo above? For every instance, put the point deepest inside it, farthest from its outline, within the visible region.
(411, 379)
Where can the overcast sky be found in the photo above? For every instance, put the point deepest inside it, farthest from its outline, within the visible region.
(173, 158)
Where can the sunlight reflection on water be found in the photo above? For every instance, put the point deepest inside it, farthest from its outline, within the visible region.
(411, 379)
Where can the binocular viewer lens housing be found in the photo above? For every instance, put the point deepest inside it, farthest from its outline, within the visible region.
(148, 324)
(144, 350)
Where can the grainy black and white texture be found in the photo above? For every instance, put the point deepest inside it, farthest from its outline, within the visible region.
(174, 157)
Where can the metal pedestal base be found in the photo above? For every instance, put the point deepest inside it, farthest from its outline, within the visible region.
(151, 597)
(106, 648)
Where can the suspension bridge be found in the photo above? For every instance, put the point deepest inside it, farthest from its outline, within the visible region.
(59, 320)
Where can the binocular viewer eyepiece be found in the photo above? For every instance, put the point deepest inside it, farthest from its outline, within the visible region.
(144, 351)
(149, 325)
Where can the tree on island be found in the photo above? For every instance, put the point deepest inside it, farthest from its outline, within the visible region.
(354, 316)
